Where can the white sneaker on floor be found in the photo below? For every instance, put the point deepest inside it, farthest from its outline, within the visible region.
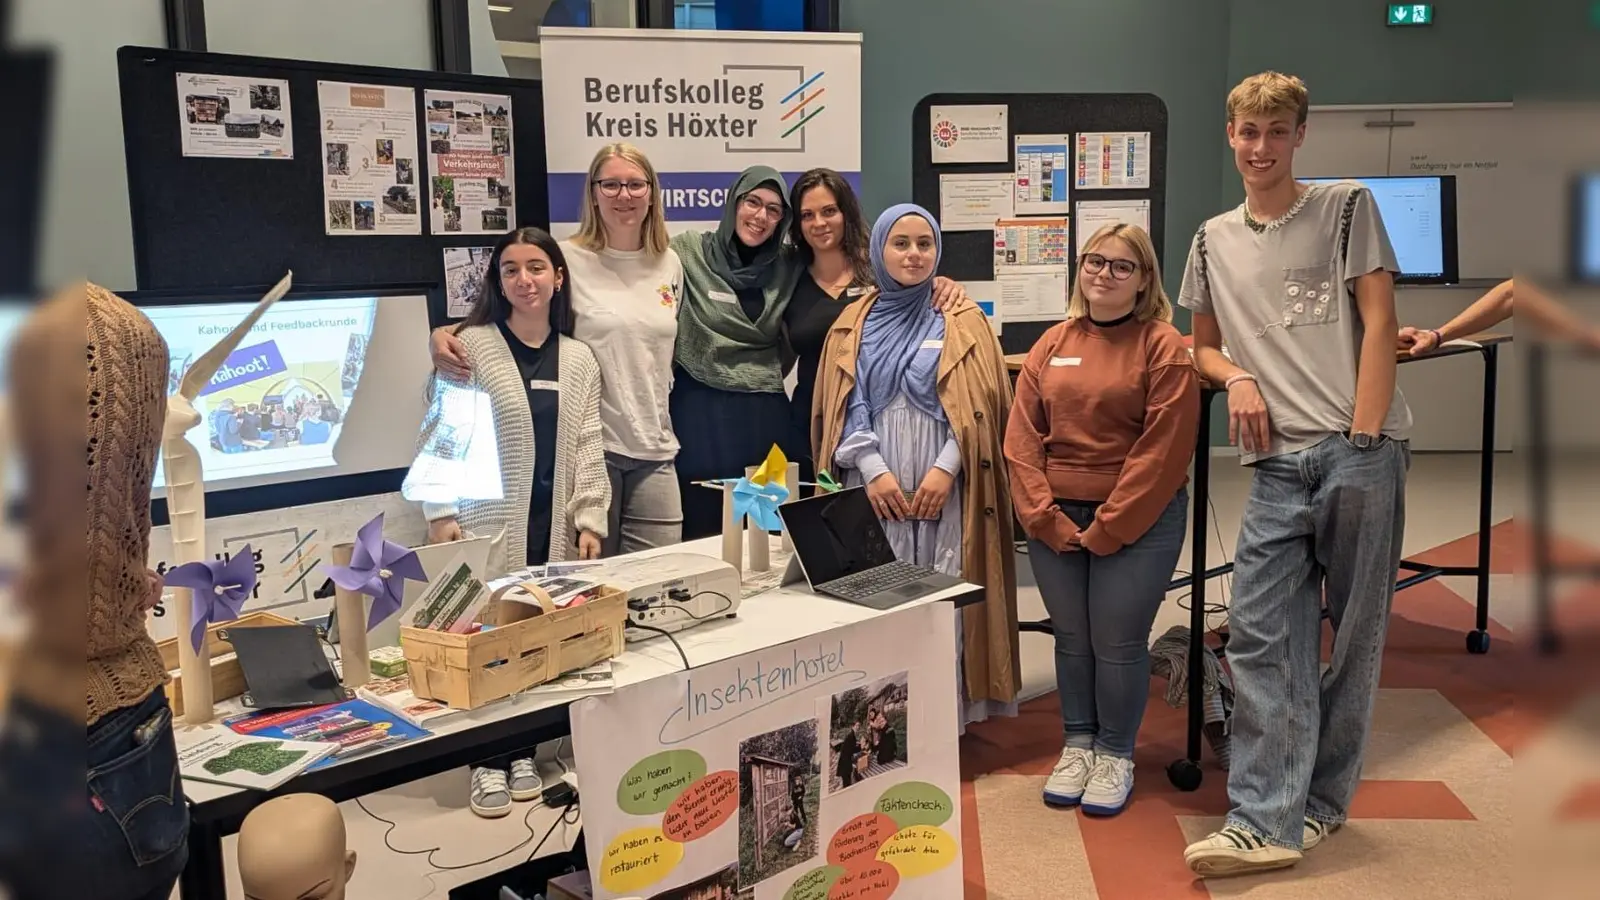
(1315, 831)
(1065, 785)
(490, 797)
(524, 780)
(1110, 783)
(1234, 851)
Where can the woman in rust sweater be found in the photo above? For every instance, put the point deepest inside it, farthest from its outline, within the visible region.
(1099, 444)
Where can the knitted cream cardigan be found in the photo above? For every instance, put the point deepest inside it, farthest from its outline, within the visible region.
(582, 489)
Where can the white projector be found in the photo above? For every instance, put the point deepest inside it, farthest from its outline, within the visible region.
(672, 591)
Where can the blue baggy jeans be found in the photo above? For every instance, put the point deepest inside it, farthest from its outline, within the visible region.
(1321, 524)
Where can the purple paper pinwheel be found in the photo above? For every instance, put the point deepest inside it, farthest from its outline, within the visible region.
(378, 568)
(220, 589)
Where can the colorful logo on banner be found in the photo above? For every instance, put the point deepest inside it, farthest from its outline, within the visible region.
(245, 365)
(945, 133)
(798, 102)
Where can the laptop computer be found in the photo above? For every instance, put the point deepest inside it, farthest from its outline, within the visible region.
(844, 553)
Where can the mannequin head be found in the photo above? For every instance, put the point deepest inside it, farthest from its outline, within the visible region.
(293, 848)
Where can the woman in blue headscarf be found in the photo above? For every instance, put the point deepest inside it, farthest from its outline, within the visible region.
(911, 402)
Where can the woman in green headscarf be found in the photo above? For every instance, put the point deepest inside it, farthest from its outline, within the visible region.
(728, 400)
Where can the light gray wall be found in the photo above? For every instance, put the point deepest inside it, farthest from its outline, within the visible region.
(85, 212)
(395, 33)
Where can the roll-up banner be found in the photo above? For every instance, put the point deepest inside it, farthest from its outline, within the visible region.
(703, 105)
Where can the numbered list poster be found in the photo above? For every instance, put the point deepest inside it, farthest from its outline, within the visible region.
(369, 159)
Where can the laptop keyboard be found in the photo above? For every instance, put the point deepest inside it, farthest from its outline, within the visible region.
(886, 577)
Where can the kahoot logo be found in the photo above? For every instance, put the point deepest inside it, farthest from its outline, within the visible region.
(785, 126)
(244, 365)
(945, 133)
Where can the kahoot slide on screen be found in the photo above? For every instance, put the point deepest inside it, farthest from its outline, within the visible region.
(278, 402)
(822, 769)
(703, 106)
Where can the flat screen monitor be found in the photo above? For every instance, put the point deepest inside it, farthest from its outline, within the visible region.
(1419, 212)
(1586, 230)
(322, 386)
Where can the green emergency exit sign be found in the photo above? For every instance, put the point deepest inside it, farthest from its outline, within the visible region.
(1411, 14)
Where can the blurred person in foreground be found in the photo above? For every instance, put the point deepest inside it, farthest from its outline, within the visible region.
(97, 813)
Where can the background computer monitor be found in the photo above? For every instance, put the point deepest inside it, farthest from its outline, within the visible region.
(1586, 230)
(1419, 212)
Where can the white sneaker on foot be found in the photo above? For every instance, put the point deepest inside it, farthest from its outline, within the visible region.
(1234, 851)
(1110, 783)
(524, 780)
(1065, 785)
(490, 797)
(1315, 831)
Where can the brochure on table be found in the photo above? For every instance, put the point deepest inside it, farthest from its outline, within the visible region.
(827, 766)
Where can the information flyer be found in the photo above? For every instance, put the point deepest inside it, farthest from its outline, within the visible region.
(1112, 159)
(234, 117)
(973, 133)
(1031, 242)
(1042, 174)
(1094, 215)
(973, 202)
(369, 158)
(471, 169)
(463, 276)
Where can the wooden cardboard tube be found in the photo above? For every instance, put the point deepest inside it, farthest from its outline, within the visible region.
(351, 607)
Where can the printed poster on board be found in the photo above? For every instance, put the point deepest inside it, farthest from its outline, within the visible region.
(234, 117)
(471, 167)
(463, 277)
(823, 767)
(369, 159)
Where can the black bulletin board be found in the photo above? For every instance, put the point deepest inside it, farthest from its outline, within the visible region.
(969, 255)
(212, 224)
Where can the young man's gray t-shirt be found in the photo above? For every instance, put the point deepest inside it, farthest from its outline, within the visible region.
(1284, 299)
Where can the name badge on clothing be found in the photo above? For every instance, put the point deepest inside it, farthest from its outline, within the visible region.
(933, 345)
(1066, 361)
(537, 385)
(854, 291)
(722, 296)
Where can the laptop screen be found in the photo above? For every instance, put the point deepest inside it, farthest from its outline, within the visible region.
(836, 535)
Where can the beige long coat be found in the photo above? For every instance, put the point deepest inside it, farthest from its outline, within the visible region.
(976, 394)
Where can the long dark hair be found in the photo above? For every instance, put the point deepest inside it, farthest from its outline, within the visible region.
(492, 306)
(854, 240)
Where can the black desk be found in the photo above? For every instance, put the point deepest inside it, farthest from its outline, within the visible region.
(1185, 773)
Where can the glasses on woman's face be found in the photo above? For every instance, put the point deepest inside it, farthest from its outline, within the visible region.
(753, 206)
(612, 187)
(1121, 269)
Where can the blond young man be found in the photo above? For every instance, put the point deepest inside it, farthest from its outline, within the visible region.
(1298, 284)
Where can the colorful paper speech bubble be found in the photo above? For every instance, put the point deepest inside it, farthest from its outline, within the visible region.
(638, 859)
(874, 881)
(916, 803)
(655, 782)
(814, 884)
(703, 807)
(858, 840)
(919, 850)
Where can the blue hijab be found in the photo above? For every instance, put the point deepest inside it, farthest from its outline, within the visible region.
(892, 358)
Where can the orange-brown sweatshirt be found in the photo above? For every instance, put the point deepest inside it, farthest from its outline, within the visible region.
(1102, 413)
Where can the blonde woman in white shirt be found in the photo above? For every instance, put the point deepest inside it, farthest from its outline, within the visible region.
(627, 283)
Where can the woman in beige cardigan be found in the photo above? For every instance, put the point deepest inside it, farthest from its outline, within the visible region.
(911, 402)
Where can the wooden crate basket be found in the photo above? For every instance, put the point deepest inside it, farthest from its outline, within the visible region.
(524, 649)
(227, 678)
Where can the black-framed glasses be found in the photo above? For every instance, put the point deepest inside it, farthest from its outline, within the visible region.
(612, 187)
(1121, 269)
(773, 211)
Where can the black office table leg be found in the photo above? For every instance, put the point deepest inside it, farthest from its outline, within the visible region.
(1478, 639)
(203, 878)
(1185, 773)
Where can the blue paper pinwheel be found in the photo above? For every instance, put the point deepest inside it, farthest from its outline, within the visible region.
(220, 588)
(378, 568)
(759, 495)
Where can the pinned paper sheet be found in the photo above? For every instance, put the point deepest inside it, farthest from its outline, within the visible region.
(1112, 159)
(1094, 215)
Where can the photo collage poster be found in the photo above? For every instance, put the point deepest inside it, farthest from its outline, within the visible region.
(471, 165)
(232, 117)
(823, 767)
(369, 164)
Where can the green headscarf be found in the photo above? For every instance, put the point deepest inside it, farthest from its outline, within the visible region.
(721, 247)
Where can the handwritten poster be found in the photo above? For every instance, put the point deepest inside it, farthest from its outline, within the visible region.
(369, 159)
(827, 766)
(231, 116)
(471, 166)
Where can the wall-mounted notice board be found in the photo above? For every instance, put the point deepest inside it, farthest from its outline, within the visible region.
(1056, 152)
(214, 222)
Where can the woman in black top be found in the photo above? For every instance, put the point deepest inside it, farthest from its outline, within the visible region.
(830, 237)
